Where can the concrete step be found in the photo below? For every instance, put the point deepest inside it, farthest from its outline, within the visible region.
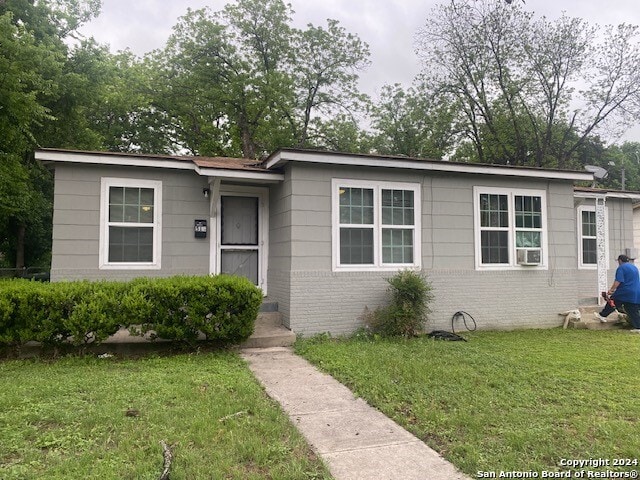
(269, 319)
(589, 321)
(269, 332)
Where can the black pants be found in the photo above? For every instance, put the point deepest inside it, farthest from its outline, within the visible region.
(631, 309)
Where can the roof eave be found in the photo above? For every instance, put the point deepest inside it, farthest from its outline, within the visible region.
(282, 157)
(113, 159)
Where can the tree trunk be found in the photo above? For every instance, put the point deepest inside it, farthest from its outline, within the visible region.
(20, 246)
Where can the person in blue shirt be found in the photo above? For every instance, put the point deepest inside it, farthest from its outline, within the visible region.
(625, 293)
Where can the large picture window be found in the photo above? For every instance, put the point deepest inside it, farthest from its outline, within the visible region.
(376, 225)
(510, 227)
(130, 223)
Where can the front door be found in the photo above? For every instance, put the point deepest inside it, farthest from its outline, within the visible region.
(240, 237)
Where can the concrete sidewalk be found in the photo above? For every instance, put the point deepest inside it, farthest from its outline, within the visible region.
(355, 440)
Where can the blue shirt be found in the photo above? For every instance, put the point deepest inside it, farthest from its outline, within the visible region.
(629, 289)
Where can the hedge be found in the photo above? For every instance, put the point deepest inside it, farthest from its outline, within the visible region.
(218, 308)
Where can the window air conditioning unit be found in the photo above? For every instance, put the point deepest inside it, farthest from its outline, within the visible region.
(529, 256)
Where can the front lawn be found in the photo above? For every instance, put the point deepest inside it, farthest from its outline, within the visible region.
(503, 401)
(104, 418)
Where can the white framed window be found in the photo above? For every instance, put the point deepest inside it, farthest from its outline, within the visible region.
(130, 223)
(587, 241)
(376, 225)
(510, 228)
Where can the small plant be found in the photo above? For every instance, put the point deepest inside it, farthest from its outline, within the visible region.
(405, 315)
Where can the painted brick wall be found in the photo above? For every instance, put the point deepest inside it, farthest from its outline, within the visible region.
(496, 300)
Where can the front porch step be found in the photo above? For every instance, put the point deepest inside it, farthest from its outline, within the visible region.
(588, 321)
(269, 332)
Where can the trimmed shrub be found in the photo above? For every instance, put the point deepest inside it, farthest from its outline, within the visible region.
(411, 294)
(221, 308)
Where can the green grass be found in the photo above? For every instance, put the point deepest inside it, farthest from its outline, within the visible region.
(67, 419)
(519, 400)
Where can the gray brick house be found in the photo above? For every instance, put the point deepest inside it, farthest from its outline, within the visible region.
(320, 232)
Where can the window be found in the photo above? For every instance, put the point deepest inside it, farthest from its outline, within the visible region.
(510, 227)
(130, 223)
(587, 240)
(376, 225)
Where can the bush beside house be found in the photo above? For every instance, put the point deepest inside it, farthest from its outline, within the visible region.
(405, 316)
(222, 308)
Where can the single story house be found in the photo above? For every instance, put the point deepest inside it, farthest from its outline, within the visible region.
(320, 231)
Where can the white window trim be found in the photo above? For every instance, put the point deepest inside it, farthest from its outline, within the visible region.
(511, 193)
(591, 208)
(105, 184)
(377, 186)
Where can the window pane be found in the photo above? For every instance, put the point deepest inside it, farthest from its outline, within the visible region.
(116, 195)
(367, 215)
(356, 206)
(589, 224)
(146, 196)
(386, 198)
(146, 214)
(528, 239)
(130, 244)
(356, 246)
(146, 205)
(131, 213)
(408, 216)
(494, 211)
(131, 196)
(116, 213)
(397, 207)
(589, 251)
(133, 205)
(116, 204)
(494, 247)
(356, 215)
(397, 245)
(528, 211)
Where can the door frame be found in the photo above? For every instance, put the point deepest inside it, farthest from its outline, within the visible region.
(262, 194)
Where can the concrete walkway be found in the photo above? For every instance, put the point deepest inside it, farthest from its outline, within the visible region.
(355, 441)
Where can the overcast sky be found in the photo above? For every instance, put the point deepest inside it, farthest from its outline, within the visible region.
(388, 27)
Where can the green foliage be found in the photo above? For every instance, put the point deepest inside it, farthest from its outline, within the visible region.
(405, 315)
(243, 81)
(221, 308)
(184, 308)
(414, 122)
(34, 95)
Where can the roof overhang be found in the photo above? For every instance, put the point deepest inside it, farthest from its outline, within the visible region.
(282, 157)
(157, 161)
(581, 192)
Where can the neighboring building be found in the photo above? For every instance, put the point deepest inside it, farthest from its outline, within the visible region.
(320, 232)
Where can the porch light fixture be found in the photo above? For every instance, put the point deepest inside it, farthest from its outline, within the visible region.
(206, 191)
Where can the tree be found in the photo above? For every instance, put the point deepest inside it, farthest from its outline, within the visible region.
(530, 91)
(33, 53)
(412, 122)
(242, 81)
(324, 75)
